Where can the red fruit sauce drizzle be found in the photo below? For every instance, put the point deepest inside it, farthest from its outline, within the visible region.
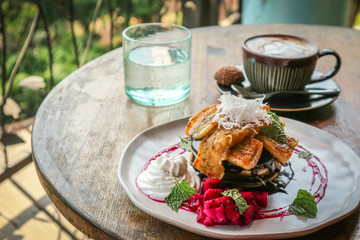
(319, 194)
(314, 163)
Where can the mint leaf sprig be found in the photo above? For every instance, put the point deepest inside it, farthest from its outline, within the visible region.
(180, 192)
(238, 198)
(304, 205)
(186, 144)
(306, 155)
(276, 129)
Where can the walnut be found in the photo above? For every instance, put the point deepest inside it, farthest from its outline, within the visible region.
(229, 75)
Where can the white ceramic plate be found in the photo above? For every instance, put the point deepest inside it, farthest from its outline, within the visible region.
(331, 175)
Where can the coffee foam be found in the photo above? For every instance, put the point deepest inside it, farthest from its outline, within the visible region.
(281, 47)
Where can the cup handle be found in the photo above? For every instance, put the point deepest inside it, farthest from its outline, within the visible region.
(333, 71)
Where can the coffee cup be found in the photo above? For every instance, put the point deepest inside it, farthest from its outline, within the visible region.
(277, 62)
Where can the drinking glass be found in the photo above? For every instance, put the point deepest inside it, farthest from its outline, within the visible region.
(157, 59)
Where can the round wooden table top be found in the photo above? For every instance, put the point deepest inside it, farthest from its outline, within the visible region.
(84, 124)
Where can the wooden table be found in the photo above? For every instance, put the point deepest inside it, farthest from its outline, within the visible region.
(87, 120)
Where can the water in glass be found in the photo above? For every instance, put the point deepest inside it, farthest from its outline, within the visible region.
(157, 75)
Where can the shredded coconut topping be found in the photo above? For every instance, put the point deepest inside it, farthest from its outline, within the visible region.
(235, 111)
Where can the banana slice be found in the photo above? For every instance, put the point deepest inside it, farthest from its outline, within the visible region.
(214, 149)
(202, 123)
(246, 154)
(281, 151)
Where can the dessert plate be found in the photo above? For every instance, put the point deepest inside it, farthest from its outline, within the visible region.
(331, 160)
(292, 104)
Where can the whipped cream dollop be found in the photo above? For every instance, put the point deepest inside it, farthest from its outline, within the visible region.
(157, 180)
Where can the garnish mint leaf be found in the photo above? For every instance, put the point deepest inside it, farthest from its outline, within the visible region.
(186, 144)
(179, 193)
(305, 155)
(239, 200)
(275, 130)
(304, 205)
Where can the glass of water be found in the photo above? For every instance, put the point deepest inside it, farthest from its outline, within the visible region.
(157, 59)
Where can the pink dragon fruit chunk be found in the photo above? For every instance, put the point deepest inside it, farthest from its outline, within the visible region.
(220, 215)
(200, 215)
(247, 217)
(208, 222)
(212, 193)
(195, 202)
(210, 212)
(248, 196)
(217, 214)
(211, 183)
(212, 207)
(214, 203)
(261, 198)
(225, 200)
(232, 213)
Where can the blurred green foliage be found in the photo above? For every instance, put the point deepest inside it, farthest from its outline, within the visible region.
(18, 16)
(357, 20)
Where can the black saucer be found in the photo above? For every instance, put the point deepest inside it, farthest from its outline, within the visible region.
(294, 104)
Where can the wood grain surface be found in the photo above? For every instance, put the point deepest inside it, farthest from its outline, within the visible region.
(86, 121)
